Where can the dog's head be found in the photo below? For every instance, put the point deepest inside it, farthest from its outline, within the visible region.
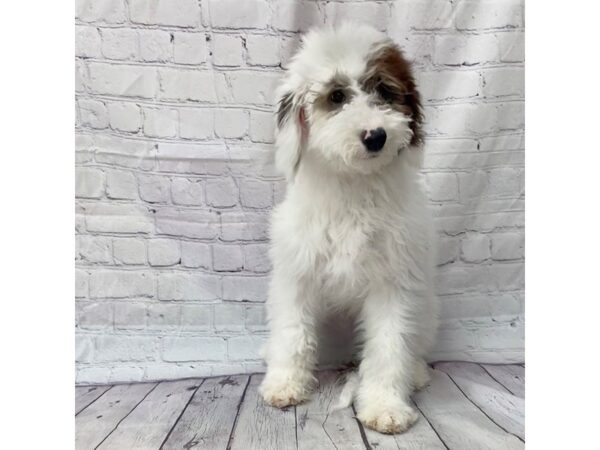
(348, 99)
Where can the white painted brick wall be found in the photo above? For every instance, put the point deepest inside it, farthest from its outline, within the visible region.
(174, 107)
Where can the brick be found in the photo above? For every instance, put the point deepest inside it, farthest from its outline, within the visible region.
(475, 248)
(81, 283)
(196, 255)
(93, 113)
(235, 14)
(189, 48)
(154, 188)
(80, 76)
(229, 318)
(227, 258)
(134, 348)
(181, 349)
(122, 80)
(94, 315)
(504, 81)
(124, 152)
(442, 186)
(119, 43)
(155, 46)
(109, 11)
(84, 349)
(118, 284)
(240, 288)
(184, 286)
(121, 185)
(505, 182)
(245, 347)
(196, 317)
(511, 116)
(256, 318)
(256, 193)
(93, 249)
(160, 122)
(163, 316)
(231, 123)
(511, 46)
(296, 15)
(252, 87)
(244, 226)
(129, 251)
(466, 50)
(89, 182)
(125, 117)
(184, 85)
(130, 316)
(256, 258)
(376, 14)
(447, 250)
(187, 192)
(221, 192)
(288, 46)
(196, 123)
(87, 42)
(486, 14)
(420, 15)
(192, 224)
(180, 13)
(279, 191)
(118, 219)
(448, 84)
(508, 246)
(262, 50)
(163, 252)
(227, 50)
(262, 127)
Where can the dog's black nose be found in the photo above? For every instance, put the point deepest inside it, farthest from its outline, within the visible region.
(374, 140)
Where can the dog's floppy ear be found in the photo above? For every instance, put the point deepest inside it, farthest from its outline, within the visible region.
(291, 134)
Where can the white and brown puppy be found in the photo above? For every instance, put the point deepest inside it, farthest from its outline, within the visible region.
(353, 231)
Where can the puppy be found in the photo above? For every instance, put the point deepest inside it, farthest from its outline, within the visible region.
(353, 232)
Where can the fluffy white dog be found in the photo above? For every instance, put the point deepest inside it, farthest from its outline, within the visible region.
(353, 231)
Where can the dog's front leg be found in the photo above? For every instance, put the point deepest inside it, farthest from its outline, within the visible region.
(387, 363)
(290, 352)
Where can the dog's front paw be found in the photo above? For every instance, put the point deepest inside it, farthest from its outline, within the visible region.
(388, 420)
(282, 394)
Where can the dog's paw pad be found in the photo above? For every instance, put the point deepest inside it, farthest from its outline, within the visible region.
(389, 422)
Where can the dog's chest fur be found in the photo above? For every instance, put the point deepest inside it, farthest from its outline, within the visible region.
(346, 239)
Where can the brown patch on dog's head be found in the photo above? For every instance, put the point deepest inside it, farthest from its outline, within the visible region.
(390, 74)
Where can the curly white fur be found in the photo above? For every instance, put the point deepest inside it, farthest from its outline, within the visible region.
(353, 232)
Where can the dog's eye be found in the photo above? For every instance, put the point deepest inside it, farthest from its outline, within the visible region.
(389, 95)
(386, 93)
(337, 97)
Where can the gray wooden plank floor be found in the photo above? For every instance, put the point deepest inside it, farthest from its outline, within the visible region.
(466, 406)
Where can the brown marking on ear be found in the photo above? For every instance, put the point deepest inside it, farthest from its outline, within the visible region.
(389, 68)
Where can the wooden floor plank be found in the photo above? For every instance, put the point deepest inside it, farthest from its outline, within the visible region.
(149, 423)
(458, 422)
(512, 377)
(99, 419)
(85, 395)
(505, 409)
(262, 427)
(208, 420)
(319, 426)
